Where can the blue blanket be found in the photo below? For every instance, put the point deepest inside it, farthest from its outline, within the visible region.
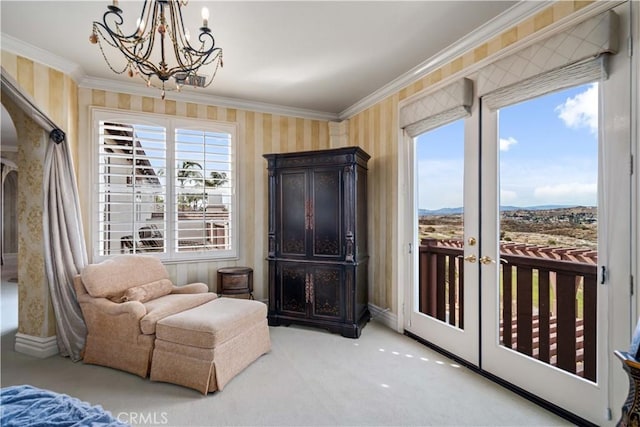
(25, 405)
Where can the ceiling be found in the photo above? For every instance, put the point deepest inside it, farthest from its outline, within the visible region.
(321, 56)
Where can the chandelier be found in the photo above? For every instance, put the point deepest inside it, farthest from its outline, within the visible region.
(158, 48)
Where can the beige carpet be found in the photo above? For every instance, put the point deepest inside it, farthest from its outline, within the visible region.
(310, 378)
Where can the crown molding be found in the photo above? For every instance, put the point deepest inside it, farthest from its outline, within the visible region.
(490, 29)
(18, 47)
(186, 95)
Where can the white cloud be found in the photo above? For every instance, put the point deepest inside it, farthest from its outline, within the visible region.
(440, 183)
(508, 197)
(569, 193)
(581, 110)
(506, 143)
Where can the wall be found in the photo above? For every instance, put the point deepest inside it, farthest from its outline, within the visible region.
(56, 95)
(259, 133)
(376, 131)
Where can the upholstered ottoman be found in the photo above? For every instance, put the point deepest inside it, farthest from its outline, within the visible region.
(204, 347)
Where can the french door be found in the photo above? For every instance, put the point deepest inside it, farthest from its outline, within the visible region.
(444, 299)
(525, 278)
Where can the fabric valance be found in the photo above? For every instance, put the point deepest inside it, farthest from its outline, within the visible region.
(546, 64)
(445, 105)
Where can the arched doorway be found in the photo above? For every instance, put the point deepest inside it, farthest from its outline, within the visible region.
(9, 222)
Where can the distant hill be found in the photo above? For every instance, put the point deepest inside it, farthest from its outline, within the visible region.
(458, 211)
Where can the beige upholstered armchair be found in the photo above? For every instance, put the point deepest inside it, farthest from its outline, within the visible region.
(122, 299)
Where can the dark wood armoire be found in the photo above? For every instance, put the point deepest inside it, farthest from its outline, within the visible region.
(318, 256)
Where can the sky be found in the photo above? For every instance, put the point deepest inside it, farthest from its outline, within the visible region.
(548, 154)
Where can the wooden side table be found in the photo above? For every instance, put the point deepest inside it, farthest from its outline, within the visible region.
(235, 281)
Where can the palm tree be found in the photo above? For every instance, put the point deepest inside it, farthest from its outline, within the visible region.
(186, 172)
(191, 172)
(216, 180)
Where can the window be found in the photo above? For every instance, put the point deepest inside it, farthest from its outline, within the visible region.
(164, 186)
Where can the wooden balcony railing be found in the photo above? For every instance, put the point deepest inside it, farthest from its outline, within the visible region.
(547, 297)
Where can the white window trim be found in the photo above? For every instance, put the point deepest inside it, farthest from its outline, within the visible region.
(170, 123)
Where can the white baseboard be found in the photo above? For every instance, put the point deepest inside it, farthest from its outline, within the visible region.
(36, 346)
(384, 316)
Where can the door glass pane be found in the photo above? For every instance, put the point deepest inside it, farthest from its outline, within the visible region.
(440, 170)
(548, 149)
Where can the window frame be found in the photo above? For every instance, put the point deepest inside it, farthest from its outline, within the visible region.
(170, 124)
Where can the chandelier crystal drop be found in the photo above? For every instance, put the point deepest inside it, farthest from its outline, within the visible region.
(158, 49)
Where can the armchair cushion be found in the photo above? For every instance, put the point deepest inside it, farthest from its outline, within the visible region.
(112, 277)
(167, 305)
(144, 293)
(191, 288)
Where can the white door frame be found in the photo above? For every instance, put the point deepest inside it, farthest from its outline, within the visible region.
(464, 343)
(624, 125)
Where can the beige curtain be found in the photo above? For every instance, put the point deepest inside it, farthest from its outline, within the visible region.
(65, 251)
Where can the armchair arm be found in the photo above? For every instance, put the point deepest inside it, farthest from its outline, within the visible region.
(117, 321)
(134, 308)
(192, 288)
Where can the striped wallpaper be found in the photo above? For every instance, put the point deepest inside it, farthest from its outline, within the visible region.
(53, 92)
(375, 130)
(259, 133)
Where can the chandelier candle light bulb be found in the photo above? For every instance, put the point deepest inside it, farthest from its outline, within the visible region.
(145, 52)
(205, 17)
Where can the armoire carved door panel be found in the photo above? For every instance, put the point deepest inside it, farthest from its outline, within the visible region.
(294, 293)
(326, 213)
(327, 291)
(294, 220)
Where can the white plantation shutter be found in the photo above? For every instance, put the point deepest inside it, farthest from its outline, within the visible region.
(165, 187)
(132, 189)
(204, 189)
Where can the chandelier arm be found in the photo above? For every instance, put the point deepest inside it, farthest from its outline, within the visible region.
(149, 25)
(184, 59)
(192, 68)
(208, 43)
(105, 56)
(141, 63)
(120, 41)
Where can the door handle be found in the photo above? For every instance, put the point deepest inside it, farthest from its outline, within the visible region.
(486, 260)
(471, 258)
